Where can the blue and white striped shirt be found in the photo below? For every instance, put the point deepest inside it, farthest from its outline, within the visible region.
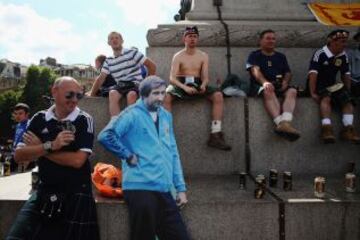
(126, 67)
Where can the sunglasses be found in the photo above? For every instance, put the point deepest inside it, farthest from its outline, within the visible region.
(71, 95)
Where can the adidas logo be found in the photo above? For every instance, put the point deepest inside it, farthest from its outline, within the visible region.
(326, 63)
(44, 131)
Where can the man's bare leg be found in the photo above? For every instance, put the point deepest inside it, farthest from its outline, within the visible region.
(168, 102)
(272, 105)
(325, 108)
(217, 100)
(282, 121)
(290, 100)
(114, 107)
(131, 97)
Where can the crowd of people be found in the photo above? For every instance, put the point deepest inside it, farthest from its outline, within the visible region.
(142, 136)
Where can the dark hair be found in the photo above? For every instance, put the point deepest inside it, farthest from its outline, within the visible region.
(22, 106)
(101, 58)
(262, 34)
(150, 83)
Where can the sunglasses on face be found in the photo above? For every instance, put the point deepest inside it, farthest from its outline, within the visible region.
(71, 95)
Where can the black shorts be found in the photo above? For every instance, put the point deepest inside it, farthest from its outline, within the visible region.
(278, 92)
(338, 98)
(123, 88)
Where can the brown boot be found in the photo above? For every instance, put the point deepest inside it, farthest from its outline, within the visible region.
(285, 130)
(216, 140)
(327, 134)
(349, 134)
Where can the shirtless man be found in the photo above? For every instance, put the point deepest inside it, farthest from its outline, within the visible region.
(189, 78)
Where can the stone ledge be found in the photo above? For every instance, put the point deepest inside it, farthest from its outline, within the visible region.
(245, 33)
(218, 209)
(192, 128)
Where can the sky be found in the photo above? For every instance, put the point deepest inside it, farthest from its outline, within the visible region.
(76, 31)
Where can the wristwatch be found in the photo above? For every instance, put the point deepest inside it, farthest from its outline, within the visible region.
(47, 146)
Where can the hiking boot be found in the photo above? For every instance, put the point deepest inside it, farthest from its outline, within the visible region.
(327, 134)
(285, 130)
(216, 140)
(349, 134)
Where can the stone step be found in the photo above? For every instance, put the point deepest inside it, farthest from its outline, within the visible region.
(192, 128)
(308, 155)
(267, 150)
(218, 209)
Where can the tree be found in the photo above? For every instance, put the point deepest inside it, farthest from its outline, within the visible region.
(8, 100)
(38, 83)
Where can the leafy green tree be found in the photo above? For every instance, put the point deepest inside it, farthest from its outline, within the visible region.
(38, 83)
(8, 100)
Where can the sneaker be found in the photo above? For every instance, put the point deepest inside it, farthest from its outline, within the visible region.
(216, 140)
(349, 134)
(285, 130)
(327, 134)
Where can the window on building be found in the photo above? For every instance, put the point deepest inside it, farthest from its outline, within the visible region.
(2, 66)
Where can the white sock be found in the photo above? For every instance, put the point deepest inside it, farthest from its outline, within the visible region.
(287, 116)
(277, 120)
(215, 126)
(347, 119)
(326, 121)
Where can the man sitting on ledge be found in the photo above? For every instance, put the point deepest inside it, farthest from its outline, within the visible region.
(326, 91)
(189, 78)
(270, 77)
(125, 68)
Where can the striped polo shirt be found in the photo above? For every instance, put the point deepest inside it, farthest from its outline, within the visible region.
(126, 67)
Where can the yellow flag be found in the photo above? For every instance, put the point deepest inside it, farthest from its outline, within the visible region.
(336, 14)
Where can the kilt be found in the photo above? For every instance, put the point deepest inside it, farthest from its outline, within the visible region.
(78, 222)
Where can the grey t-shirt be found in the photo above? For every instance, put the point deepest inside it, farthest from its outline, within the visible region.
(354, 61)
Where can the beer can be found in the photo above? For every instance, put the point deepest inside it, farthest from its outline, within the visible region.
(319, 187)
(350, 179)
(260, 186)
(273, 177)
(259, 193)
(351, 167)
(242, 180)
(35, 178)
(261, 180)
(7, 169)
(287, 181)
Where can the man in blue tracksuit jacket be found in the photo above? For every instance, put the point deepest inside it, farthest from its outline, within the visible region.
(143, 137)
